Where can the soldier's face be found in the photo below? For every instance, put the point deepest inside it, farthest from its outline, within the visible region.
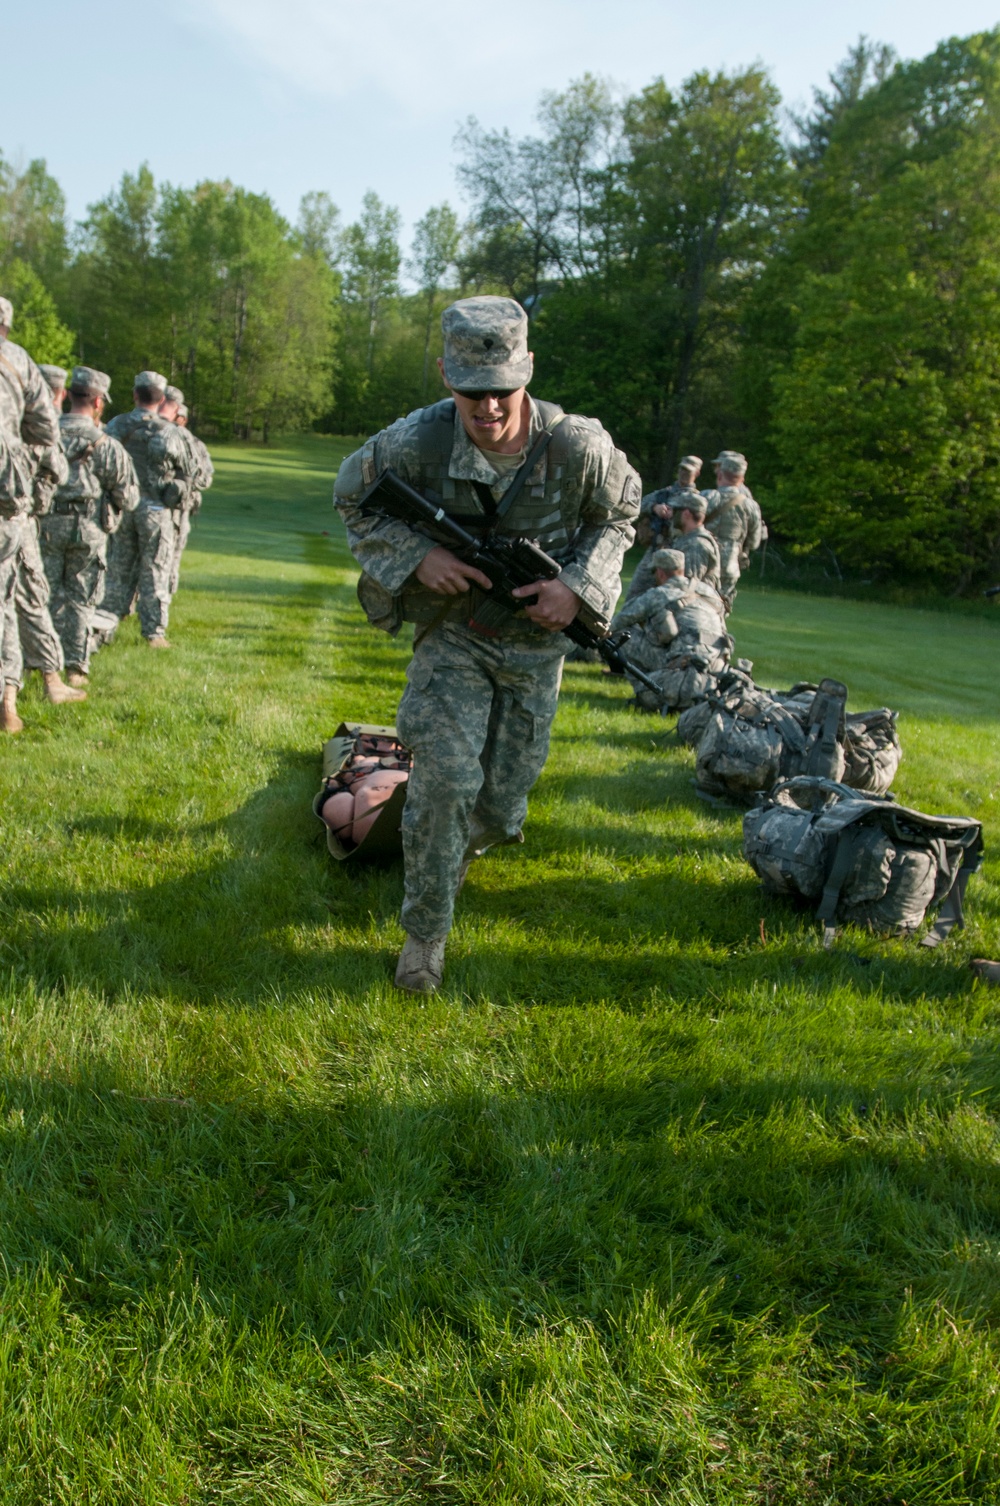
(491, 419)
(168, 410)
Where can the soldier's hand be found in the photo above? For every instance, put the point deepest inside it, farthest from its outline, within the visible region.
(445, 574)
(663, 510)
(556, 606)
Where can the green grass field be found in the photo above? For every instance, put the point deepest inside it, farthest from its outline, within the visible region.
(657, 1201)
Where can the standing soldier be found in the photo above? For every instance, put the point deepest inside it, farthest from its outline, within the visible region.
(143, 551)
(696, 544)
(27, 418)
(101, 488)
(656, 517)
(734, 518)
(174, 410)
(478, 708)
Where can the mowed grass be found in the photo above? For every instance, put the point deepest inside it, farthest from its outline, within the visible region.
(656, 1202)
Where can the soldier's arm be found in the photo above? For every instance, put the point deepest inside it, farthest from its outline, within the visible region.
(612, 493)
(117, 476)
(386, 548)
(40, 424)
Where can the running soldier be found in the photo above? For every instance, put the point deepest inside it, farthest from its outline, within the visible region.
(100, 488)
(478, 708)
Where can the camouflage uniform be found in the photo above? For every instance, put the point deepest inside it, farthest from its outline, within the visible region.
(101, 488)
(733, 516)
(30, 639)
(477, 711)
(651, 623)
(142, 552)
(203, 473)
(681, 640)
(701, 556)
(27, 416)
(662, 528)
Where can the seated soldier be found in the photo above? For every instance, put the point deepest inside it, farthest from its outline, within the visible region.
(656, 515)
(649, 617)
(693, 540)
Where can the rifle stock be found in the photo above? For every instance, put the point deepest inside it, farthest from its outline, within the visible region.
(508, 562)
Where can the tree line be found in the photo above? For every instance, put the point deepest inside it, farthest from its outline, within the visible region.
(700, 270)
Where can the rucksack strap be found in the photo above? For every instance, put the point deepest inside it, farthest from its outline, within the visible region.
(951, 915)
(843, 862)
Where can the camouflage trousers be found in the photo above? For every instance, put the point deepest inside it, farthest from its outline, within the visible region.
(140, 560)
(74, 550)
(183, 534)
(10, 543)
(29, 636)
(477, 713)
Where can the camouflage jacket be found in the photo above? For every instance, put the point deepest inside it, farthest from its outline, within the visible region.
(51, 470)
(654, 530)
(100, 470)
(162, 461)
(202, 469)
(653, 610)
(27, 417)
(701, 555)
(732, 513)
(579, 509)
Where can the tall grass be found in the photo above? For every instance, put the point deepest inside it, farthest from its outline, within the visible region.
(657, 1201)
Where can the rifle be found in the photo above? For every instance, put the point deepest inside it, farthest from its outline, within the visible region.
(509, 563)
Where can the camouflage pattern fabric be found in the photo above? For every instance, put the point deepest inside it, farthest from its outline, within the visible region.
(101, 486)
(734, 517)
(51, 470)
(477, 713)
(10, 542)
(660, 532)
(27, 417)
(203, 473)
(701, 556)
(29, 636)
(141, 557)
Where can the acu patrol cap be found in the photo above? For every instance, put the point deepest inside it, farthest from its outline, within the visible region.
(731, 461)
(152, 379)
(182, 410)
(174, 395)
(486, 345)
(54, 375)
(6, 312)
(668, 559)
(86, 381)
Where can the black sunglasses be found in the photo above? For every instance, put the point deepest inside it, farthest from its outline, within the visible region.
(477, 397)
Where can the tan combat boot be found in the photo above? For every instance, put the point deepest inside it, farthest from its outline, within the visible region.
(158, 641)
(57, 691)
(78, 678)
(9, 719)
(421, 965)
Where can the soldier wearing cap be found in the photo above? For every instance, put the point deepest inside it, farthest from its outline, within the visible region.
(675, 626)
(478, 708)
(733, 516)
(35, 642)
(27, 417)
(142, 553)
(696, 544)
(101, 488)
(656, 520)
(174, 410)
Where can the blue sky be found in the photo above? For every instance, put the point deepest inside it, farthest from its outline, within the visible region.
(323, 94)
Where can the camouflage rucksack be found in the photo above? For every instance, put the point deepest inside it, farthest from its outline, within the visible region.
(866, 860)
(754, 737)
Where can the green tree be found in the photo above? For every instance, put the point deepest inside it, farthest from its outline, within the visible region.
(37, 325)
(33, 222)
(435, 252)
(887, 414)
(370, 383)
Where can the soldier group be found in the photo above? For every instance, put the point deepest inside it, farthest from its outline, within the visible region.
(92, 518)
(685, 586)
